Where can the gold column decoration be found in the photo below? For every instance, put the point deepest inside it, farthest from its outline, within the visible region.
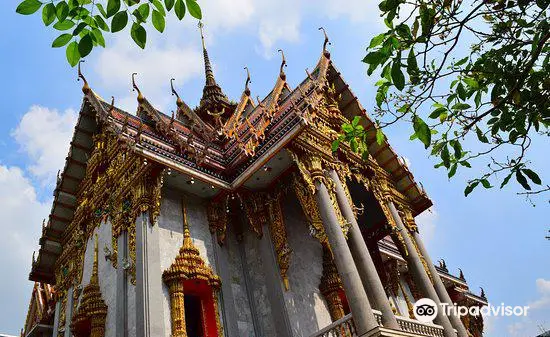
(310, 209)
(92, 308)
(311, 168)
(188, 265)
(218, 219)
(331, 285)
(410, 307)
(256, 207)
(279, 237)
(405, 213)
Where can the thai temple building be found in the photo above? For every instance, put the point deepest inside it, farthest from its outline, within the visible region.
(237, 219)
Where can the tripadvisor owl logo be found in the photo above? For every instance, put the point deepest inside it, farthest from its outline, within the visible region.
(425, 310)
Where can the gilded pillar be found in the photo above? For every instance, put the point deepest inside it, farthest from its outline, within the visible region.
(177, 308)
(365, 265)
(438, 284)
(331, 285)
(402, 237)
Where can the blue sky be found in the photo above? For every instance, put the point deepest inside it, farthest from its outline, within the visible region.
(495, 236)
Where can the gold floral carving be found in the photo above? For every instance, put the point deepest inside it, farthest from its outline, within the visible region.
(279, 237)
(92, 307)
(331, 285)
(310, 209)
(118, 186)
(256, 207)
(218, 218)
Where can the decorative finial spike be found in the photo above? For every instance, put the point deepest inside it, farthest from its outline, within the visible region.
(309, 74)
(135, 88)
(482, 295)
(179, 102)
(85, 86)
(283, 64)
(94, 278)
(327, 42)
(186, 232)
(246, 89)
(112, 107)
(201, 25)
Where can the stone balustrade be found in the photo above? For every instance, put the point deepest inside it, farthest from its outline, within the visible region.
(345, 327)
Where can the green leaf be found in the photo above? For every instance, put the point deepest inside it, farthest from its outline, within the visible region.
(159, 6)
(412, 67)
(396, 73)
(335, 145)
(470, 188)
(461, 61)
(458, 149)
(465, 164)
(506, 180)
(79, 28)
(452, 171)
(194, 9)
(98, 38)
(486, 183)
(461, 106)
(377, 40)
(169, 4)
(379, 136)
(482, 138)
(61, 40)
(142, 12)
(62, 11)
(353, 144)
(422, 131)
(102, 10)
(158, 21)
(64, 25)
(472, 83)
(73, 56)
(437, 112)
(179, 8)
(101, 23)
(348, 128)
(85, 45)
(28, 7)
(445, 156)
(356, 121)
(139, 35)
(113, 6)
(48, 14)
(120, 20)
(522, 180)
(533, 176)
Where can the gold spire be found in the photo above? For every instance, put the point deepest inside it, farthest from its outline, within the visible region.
(186, 232)
(213, 98)
(283, 65)
(85, 86)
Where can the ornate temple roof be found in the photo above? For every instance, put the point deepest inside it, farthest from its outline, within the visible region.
(223, 150)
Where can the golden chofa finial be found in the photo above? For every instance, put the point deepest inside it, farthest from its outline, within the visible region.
(85, 87)
(246, 89)
(283, 64)
(179, 101)
(327, 42)
(309, 74)
(135, 88)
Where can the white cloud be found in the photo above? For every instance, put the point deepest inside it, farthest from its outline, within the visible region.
(22, 216)
(543, 287)
(427, 223)
(155, 66)
(44, 135)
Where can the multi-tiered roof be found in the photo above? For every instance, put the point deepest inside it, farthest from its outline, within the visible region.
(220, 143)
